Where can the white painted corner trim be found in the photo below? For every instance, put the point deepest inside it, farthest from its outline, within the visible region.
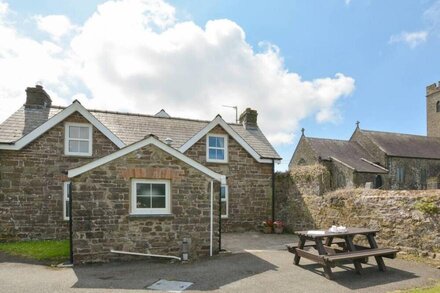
(137, 145)
(219, 121)
(74, 107)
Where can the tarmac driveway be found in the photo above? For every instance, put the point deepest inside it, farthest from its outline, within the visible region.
(258, 263)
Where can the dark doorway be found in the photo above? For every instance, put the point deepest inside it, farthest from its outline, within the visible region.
(378, 182)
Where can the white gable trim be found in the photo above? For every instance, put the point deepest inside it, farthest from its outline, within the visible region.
(74, 107)
(219, 121)
(147, 141)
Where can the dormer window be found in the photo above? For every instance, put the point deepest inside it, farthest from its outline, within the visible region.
(78, 139)
(217, 148)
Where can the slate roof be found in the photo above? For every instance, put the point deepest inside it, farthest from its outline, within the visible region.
(406, 145)
(131, 127)
(348, 152)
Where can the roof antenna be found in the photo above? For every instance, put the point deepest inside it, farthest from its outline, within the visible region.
(236, 111)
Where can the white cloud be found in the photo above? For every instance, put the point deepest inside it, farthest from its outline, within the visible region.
(3, 8)
(135, 56)
(432, 17)
(55, 25)
(412, 39)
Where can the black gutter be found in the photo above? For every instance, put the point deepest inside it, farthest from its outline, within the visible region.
(70, 222)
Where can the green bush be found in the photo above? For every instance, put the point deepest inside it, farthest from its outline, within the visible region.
(427, 206)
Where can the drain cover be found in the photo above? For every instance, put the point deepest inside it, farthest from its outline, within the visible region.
(170, 286)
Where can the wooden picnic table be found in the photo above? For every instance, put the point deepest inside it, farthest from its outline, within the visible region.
(328, 256)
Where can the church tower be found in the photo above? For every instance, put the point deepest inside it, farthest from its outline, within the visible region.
(433, 109)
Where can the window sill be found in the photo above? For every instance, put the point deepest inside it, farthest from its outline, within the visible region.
(217, 162)
(134, 216)
(78, 156)
(225, 217)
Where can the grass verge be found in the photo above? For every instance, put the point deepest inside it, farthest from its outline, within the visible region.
(46, 250)
(430, 289)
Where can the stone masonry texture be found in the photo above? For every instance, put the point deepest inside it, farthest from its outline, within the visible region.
(249, 183)
(432, 116)
(101, 209)
(31, 184)
(397, 213)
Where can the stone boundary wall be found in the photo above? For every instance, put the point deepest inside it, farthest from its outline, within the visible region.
(408, 220)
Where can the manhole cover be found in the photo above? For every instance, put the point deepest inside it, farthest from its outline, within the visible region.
(170, 286)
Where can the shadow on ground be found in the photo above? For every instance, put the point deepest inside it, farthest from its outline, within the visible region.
(345, 275)
(206, 274)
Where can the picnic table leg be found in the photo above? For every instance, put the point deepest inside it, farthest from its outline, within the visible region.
(302, 241)
(351, 247)
(321, 250)
(328, 241)
(379, 259)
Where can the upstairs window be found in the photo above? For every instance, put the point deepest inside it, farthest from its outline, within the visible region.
(78, 139)
(217, 148)
(150, 197)
(437, 106)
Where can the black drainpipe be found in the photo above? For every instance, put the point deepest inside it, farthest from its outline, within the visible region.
(220, 219)
(273, 190)
(70, 222)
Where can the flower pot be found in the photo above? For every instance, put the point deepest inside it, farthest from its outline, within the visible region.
(278, 230)
(267, 230)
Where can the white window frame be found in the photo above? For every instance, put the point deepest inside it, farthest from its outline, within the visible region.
(226, 199)
(150, 211)
(67, 139)
(65, 199)
(225, 148)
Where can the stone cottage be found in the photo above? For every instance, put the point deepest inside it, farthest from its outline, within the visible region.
(387, 160)
(155, 185)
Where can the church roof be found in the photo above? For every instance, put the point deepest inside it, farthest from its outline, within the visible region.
(406, 145)
(349, 153)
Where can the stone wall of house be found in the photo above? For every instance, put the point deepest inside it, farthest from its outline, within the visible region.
(101, 209)
(409, 220)
(31, 184)
(413, 169)
(249, 183)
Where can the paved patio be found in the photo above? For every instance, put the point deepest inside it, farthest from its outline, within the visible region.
(258, 263)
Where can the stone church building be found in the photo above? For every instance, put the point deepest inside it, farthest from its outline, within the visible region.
(387, 160)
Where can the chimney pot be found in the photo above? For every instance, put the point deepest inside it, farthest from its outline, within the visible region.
(249, 119)
(37, 96)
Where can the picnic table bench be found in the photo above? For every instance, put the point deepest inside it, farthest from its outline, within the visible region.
(329, 256)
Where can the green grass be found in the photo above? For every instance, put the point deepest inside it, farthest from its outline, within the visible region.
(431, 289)
(47, 250)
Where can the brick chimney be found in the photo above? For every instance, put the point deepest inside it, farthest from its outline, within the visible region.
(249, 119)
(37, 96)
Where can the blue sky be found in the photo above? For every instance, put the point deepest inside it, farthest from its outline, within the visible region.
(387, 52)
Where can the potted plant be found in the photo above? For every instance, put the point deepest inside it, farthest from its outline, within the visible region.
(267, 226)
(278, 226)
